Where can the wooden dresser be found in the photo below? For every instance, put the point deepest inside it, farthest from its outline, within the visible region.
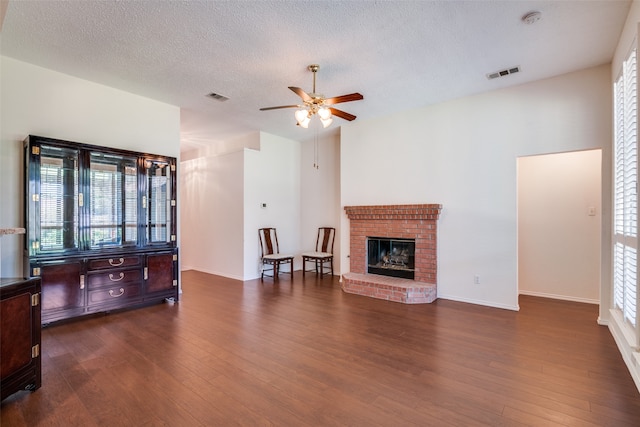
(20, 361)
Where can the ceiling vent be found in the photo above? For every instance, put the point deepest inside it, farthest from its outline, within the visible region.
(217, 97)
(503, 73)
(531, 17)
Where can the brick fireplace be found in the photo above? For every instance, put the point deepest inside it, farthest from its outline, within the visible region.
(417, 222)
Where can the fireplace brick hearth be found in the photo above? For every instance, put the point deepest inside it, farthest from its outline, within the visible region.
(417, 222)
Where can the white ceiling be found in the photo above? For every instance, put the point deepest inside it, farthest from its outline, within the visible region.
(399, 54)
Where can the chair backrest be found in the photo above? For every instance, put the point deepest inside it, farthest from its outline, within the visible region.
(326, 237)
(268, 241)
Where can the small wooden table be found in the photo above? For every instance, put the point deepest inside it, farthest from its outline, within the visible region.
(20, 332)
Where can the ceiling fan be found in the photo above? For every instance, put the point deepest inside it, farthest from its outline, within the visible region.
(316, 103)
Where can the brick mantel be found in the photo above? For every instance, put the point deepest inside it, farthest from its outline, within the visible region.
(417, 222)
(395, 212)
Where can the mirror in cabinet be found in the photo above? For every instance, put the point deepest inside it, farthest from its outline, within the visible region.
(159, 201)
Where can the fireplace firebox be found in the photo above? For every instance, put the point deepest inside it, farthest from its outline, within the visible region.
(391, 257)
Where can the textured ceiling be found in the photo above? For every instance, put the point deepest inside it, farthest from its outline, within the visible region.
(398, 54)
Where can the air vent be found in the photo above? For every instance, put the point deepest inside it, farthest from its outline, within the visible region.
(503, 73)
(217, 97)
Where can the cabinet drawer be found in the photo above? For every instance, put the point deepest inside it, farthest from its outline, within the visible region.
(123, 261)
(115, 294)
(114, 278)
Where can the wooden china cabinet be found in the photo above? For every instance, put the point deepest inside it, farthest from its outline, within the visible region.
(101, 227)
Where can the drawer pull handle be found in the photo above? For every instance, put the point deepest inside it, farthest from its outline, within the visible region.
(116, 280)
(116, 264)
(111, 293)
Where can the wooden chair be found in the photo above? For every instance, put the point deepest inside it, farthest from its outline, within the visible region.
(323, 253)
(271, 255)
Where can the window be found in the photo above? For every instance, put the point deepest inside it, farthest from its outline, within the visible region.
(625, 240)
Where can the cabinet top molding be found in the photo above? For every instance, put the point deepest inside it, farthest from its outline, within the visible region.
(13, 230)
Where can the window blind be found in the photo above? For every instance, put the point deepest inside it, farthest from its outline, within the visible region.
(113, 200)
(625, 245)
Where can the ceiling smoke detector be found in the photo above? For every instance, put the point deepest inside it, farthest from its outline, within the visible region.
(531, 17)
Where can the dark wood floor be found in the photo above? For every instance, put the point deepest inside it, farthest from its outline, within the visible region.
(304, 353)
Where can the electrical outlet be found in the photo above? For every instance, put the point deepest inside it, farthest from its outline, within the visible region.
(476, 279)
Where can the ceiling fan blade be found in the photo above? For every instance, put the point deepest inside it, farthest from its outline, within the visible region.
(342, 114)
(281, 106)
(302, 94)
(344, 98)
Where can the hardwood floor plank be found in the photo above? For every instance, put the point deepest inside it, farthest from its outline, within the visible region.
(303, 353)
(528, 418)
(58, 404)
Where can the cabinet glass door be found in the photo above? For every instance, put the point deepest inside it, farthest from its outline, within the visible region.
(113, 205)
(58, 200)
(158, 206)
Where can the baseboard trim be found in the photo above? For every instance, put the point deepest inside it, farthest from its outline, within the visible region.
(560, 297)
(625, 341)
(480, 302)
(217, 273)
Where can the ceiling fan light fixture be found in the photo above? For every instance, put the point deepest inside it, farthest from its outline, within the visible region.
(301, 115)
(324, 113)
(326, 122)
(305, 123)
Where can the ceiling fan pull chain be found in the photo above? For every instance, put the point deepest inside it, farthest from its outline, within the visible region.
(316, 166)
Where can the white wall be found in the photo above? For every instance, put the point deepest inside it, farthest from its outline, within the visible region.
(320, 195)
(38, 101)
(223, 193)
(559, 225)
(212, 214)
(462, 154)
(271, 176)
(213, 205)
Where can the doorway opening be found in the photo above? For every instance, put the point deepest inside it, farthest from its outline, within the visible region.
(559, 205)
